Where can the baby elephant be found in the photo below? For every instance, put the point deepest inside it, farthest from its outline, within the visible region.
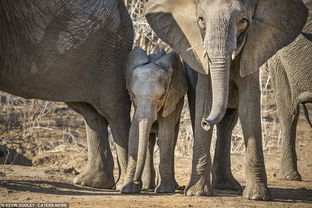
(157, 85)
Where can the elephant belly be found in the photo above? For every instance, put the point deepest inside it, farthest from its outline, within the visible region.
(60, 53)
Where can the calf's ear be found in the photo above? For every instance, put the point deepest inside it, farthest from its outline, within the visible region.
(177, 87)
(136, 58)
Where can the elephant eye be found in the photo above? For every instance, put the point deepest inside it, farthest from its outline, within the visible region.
(244, 21)
(162, 96)
(132, 95)
(201, 23)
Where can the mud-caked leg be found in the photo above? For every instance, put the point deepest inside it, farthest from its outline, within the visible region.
(99, 170)
(222, 177)
(148, 177)
(199, 184)
(167, 135)
(249, 113)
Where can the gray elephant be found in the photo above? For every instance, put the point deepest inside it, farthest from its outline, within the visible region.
(226, 42)
(291, 75)
(72, 51)
(157, 85)
(290, 71)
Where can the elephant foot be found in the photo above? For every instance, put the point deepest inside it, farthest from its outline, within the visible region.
(167, 186)
(120, 183)
(226, 183)
(288, 174)
(130, 188)
(148, 184)
(95, 179)
(200, 188)
(257, 192)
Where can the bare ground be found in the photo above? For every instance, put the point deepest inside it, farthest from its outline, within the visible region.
(50, 139)
(46, 184)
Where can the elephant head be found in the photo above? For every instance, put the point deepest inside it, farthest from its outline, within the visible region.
(210, 34)
(156, 83)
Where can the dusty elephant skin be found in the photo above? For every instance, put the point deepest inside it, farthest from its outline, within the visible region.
(290, 71)
(229, 40)
(157, 85)
(291, 74)
(72, 51)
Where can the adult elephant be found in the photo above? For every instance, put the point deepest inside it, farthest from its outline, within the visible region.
(231, 40)
(291, 74)
(73, 51)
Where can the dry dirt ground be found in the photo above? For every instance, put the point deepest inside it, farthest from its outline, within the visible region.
(54, 184)
(50, 139)
(39, 184)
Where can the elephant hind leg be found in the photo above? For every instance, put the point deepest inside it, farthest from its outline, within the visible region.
(99, 169)
(288, 167)
(222, 177)
(288, 114)
(119, 126)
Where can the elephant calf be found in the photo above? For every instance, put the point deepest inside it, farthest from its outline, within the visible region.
(157, 85)
(291, 73)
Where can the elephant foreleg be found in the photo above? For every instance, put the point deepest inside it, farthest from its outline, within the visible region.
(222, 177)
(99, 170)
(148, 177)
(129, 187)
(167, 135)
(249, 113)
(199, 184)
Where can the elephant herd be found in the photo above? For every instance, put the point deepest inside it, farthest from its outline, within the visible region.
(80, 52)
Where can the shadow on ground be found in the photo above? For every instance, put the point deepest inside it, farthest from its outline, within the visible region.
(285, 195)
(10, 156)
(292, 195)
(52, 187)
(58, 188)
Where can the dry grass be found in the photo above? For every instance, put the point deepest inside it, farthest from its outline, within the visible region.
(56, 128)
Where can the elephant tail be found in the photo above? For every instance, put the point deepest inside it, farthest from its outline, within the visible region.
(119, 172)
(306, 114)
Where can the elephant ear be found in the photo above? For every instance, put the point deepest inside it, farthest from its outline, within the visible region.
(177, 87)
(136, 58)
(156, 56)
(276, 23)
(175, 22)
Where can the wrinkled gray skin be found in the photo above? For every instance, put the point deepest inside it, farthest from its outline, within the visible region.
(157, 85)
(291, 74)
(72, 51)
(229, 40)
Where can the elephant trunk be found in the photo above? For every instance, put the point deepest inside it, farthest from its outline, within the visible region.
(145, 124)
(220, 44)
(220, 89)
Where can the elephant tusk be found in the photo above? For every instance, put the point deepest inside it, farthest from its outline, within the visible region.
(233, 55)
(205, 54)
